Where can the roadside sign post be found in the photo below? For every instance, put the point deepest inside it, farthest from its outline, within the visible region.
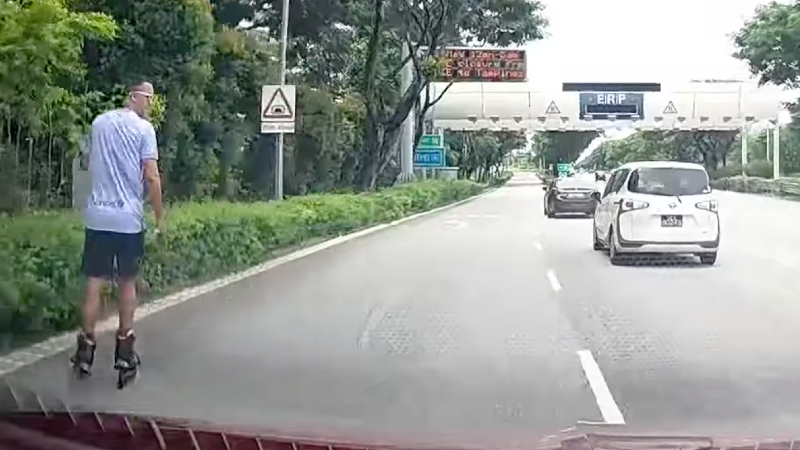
(273, 119)
(278, 111)
(278, 116)
(430, 153)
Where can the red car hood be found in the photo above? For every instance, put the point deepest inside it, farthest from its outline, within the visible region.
(103, 431)
(43, 429)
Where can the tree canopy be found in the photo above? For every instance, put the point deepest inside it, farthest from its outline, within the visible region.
(556, 147)
(770, 44)
(65, 61)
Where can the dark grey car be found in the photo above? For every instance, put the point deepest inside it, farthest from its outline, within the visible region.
(570, 195)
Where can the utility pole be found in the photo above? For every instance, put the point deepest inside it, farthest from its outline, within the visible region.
(281, 81)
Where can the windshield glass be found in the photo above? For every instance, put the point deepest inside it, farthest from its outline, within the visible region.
(372, 219)
(669, 181)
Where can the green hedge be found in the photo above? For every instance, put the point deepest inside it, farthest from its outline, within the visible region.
(784, 187)
(40, 277)
(758, 168)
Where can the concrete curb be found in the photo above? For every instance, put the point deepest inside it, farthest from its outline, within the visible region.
(56, 344)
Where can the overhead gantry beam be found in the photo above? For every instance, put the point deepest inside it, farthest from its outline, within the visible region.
(688, 107)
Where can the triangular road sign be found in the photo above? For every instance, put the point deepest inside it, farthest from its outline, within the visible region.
(278, 107)
(553, 109)
(670, 109)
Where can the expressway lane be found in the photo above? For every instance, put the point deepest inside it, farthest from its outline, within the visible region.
(470, 323)
(441, 325)
(689, 348)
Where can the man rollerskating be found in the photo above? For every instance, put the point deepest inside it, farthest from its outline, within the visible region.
(122, 158)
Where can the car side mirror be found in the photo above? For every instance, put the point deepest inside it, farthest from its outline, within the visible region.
(544, 188)
(596, 196)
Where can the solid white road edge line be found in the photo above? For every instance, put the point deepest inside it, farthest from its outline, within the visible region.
(29, 355)
(554, 283)
(605, 401)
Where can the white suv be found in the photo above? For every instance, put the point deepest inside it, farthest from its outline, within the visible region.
(657, 207)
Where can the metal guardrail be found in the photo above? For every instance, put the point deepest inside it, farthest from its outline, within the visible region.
(789, 187)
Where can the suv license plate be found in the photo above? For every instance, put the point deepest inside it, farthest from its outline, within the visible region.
(671, 221)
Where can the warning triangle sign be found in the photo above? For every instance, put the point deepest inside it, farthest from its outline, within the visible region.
(278, 107)
(670, 109)
(553, 109)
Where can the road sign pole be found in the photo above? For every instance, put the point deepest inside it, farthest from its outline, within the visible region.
(282, 81)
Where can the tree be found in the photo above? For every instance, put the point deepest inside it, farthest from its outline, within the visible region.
(170, 43)
(40, 67)
(66, 61)
(770, 44)
(481, 154)
(424, 26)
(556, 147)
(709, 148)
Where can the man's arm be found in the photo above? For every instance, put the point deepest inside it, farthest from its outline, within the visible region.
(153, 178)
(151, 174)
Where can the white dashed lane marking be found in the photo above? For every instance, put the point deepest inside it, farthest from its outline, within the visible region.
(554, 283)
(602, 394)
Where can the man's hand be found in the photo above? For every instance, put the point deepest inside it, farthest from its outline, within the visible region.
(159, 226)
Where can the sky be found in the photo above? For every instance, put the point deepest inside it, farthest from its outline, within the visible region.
(639, 40)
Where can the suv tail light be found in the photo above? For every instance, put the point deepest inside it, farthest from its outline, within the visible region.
(632, 205)
(710, 205)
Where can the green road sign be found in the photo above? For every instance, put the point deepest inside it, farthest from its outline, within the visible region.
(564, 169)
(431, 140)
(429, 157)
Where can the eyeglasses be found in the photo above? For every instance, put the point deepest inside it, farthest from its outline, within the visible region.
(144, 94)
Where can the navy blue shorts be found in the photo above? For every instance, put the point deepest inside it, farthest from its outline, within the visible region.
(107, 254)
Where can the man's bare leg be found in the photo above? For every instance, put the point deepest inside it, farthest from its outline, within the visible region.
(84, 355)
(92, 304)
(125, 357)
(127, 304)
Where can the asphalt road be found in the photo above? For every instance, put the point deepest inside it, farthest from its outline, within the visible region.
(485, 321)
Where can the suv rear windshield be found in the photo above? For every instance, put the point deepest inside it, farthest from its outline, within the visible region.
(669, 181)
(575, 183)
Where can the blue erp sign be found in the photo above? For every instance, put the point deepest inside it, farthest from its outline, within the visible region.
(429, 157)
(621, 105)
